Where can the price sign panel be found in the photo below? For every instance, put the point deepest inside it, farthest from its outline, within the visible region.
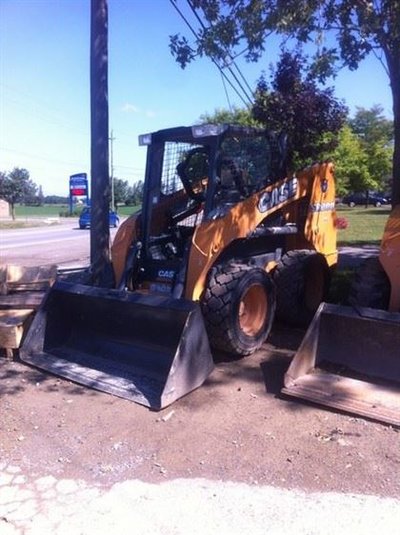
(78, 185)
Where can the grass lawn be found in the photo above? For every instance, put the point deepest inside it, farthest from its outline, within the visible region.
(128, 210)
(48, 210)
(365, 225)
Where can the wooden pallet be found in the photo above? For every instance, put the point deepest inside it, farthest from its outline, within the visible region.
(13, 325)
(21, 292)
(15, 278)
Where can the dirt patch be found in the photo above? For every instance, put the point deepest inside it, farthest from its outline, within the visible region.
(236, 427)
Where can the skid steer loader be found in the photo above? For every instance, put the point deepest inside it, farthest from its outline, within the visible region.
(224, 238)
(350, 356)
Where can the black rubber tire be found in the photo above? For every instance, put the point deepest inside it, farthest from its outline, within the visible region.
(238, 308)
(302, 279)
(370, 286)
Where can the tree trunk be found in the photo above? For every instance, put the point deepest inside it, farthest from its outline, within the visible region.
(396, 153)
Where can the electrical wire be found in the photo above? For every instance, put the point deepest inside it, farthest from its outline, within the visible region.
(212, 59)
(44, 158)
(226, 93)
(190, 4)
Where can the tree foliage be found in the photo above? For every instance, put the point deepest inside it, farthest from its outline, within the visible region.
(55, 199)
(121, 191)
(312, 117)
(358, 27)
(135, 196)
(372, 127)
(364, 154)
(235, 115)
(375, 135)
(40, 197)
(17, 187)
(351, 164)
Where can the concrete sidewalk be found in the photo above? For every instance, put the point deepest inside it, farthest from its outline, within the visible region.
(352, 256)
(51, 506)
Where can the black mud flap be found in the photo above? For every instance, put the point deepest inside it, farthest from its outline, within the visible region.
(350, 360)
(151, 349)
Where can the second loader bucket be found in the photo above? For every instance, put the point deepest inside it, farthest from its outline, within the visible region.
(350, 360)
(150, 349)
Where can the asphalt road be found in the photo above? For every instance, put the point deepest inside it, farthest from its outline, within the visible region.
(62, 243)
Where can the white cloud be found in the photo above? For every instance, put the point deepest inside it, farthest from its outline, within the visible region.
(130, 108)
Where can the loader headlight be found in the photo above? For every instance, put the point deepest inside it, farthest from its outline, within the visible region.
(206, 130)
(144, 139)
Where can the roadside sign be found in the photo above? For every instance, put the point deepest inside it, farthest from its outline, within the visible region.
(78, 187)
(78, 184)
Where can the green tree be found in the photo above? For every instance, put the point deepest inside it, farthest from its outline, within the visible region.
(121, 190)
(15, 187)
(40, 197)
(311, 117)
(236, 115)
(135, 193)
(375, 133)
(358, 28)
(379, 161)
(31, 195)
(3, 177)
(55, 199)
(372, 127)
(351, 164)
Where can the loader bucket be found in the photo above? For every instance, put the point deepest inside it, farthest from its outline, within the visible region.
(350, 360)
(150, 349)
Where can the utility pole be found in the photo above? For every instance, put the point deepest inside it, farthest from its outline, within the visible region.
(100, 180)
(111, 140)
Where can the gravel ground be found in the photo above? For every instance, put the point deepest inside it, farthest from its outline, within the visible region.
(230, 457)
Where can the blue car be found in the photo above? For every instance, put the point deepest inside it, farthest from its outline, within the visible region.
(84, 219)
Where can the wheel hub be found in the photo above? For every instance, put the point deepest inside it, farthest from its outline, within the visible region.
(253, 310)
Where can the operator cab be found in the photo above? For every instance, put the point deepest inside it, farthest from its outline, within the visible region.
(194, 174)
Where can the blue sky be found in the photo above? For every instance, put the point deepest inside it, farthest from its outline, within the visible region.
(45, 91)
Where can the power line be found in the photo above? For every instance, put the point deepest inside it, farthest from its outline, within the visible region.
(189, 2)
(212, 59)
(34, 156)
(226, 93)
(232, 59)
(45, 116)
